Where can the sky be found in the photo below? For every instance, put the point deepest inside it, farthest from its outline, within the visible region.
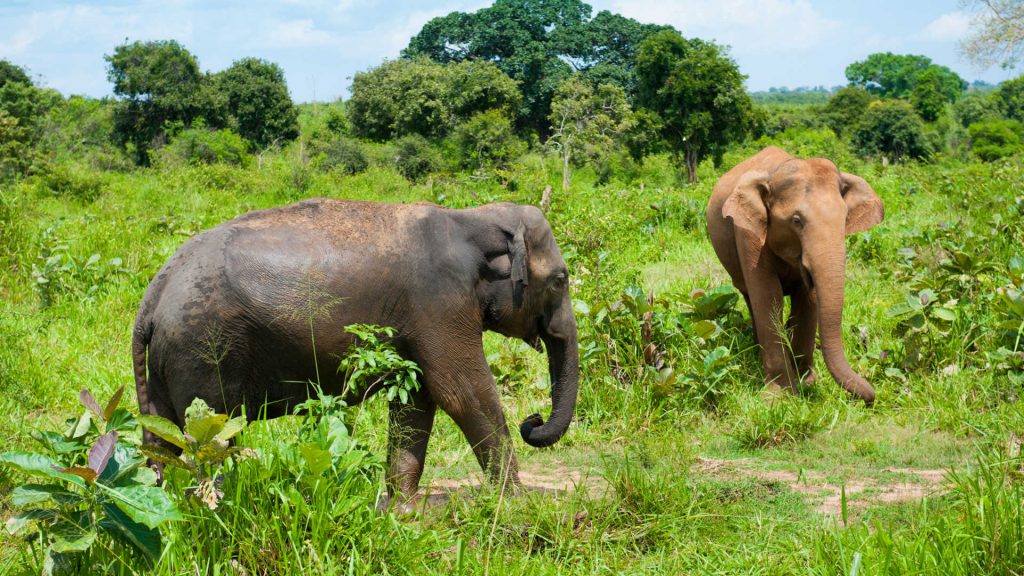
(320, 44)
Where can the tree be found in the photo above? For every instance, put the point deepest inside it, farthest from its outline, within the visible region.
(159, 82)
(697, 91)
(891, 128)
(995, 139)
(997, 33)
(12, 73)
(896, 75)
(423, 97)
(846, 108)
(587, 122)
(538, 43)
(927, 96)
(975, 108)
(1009, 98)
(258, 101)
(487, 139)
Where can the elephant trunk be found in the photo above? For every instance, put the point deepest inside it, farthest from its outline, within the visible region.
(829, 274)
(564, 369)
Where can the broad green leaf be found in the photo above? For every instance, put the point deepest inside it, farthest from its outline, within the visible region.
(121, 420)
(34, 493)
(75, 534)
(944, 314)
(146, 540)
(161, 455)
(317, 459)
(82, 425)
(149, 505)
(164, 428)
(87, 400)
(38, 465)
(204, 428)
(16, 523)
(102, 451)
(231, 428)
(706, 328)
(108, 412)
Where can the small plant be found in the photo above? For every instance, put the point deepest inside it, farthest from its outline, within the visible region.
(373, 362)
(925, 324)
(205, 447)
(95, 492)
(778, 422)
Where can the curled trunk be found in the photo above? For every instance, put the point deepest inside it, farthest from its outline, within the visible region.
(563, 367)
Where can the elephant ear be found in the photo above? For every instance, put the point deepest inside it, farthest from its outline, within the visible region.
(746, 205)
(863, 207)
(517, 252)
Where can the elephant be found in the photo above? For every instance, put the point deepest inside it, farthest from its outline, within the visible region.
(778, 224)
(241, 315)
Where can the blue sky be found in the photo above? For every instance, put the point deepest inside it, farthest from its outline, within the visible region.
(321, 43)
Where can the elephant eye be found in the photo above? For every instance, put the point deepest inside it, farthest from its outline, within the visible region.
(798, 221)
(558, 281)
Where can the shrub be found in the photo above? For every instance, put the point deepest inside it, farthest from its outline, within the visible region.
(202, 146)
(487, 140)
(343, 154)
(892, 129)
(995, 139)
(415, 157)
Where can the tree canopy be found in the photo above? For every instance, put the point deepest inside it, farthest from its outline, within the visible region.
(258, 101)
(1009, 98)
(419, 96)
(897, 75)
(997, 33)
(538, 43)
(697, 91)
(892, 129)
(12, 73)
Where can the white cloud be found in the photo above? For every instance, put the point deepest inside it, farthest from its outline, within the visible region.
(299, 33)
(765, 25)
(947, 27)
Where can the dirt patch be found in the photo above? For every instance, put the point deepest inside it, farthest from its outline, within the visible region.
(549, 479)
(895, 485)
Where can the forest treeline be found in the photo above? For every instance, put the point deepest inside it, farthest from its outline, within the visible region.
(473, 91)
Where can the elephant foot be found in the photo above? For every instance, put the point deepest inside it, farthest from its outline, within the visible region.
(810, 377)
(773, 392)
(400, 505)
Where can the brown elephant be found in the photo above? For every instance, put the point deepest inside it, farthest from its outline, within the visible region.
(229, 318)
(778, 224)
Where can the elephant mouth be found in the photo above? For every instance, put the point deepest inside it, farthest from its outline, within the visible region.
(808, 278)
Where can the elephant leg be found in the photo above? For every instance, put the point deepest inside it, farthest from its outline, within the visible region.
(465, 390)
(409, 429)
(766, 301)
(803, 319)
(750, 308)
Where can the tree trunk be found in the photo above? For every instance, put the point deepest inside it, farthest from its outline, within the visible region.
(565, 169)
(691, 165)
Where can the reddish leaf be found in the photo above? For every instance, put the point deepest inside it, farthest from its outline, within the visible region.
(101, 451)
(87, 400)
(112, 404)
(88, 474)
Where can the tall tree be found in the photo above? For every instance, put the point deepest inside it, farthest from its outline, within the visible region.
(587, 122)
(258, 101)
(896, 75)
(1009, 99)
(159, 82)
(538, 43)
(997, 33)
(697, 91)
(845, 109)
(12, 73)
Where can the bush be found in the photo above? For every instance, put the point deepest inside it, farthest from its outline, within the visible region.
(68, 180)
(487, 140)
(415, 157)
(343, 154)
(995, 139)
(203, 146)
(892, 129)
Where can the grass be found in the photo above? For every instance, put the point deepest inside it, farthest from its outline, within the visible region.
(647, 501)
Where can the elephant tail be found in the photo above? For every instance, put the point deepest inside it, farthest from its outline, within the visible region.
(141, 337)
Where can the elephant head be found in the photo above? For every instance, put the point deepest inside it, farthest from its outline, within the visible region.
(801, 211)
(524, 293)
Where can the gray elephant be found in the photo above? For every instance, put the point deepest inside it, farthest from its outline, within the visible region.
(226, 318)
(779, 226)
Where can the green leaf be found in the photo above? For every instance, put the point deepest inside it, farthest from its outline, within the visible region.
(204, 428)
(231, 428)
(121, 420)
(74, 535)
(164, 428)
(108, 412)
(38, 465)
(161, 455)
(706, 328)
(16, 523)
(149, 505)
(944, 314)
(81, 427)
(35, 493)
(317, 459)
(146, 540)
(102, 451)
